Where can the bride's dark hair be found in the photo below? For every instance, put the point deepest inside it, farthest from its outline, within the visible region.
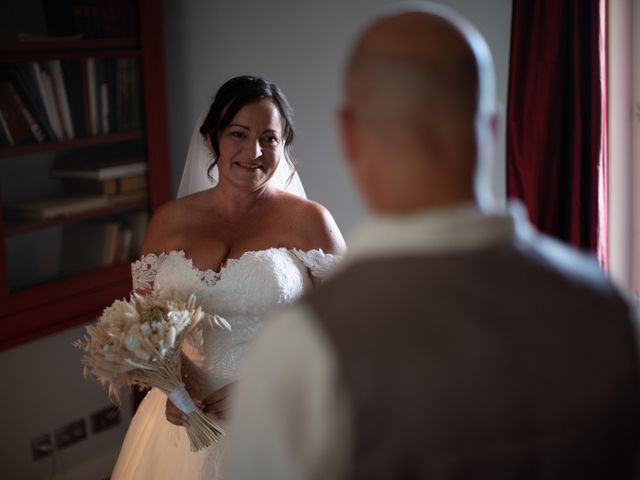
(235, 94)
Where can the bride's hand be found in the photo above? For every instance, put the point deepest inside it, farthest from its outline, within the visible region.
(216, 404)
(176, 416)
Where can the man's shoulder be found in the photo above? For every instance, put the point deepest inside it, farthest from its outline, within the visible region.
(577, 267)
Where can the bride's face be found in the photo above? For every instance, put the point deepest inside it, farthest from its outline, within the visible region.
(252, 146)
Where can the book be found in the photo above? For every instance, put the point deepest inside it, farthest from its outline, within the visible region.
(55, 70)
(92, 95)
(88, 246)
(123, 247)
(112, 186)
(111, 89)
(124, 94)
(119, 126)
(52, 95)
(135, 109)
(138, 222)
(58, 18)
(128, 197)
(48, 209)
(72, 72)
(101, 170)
(46, 93)
(19, 129)
(104, 108)
(13, 97)
(5, 134)
(98, 81)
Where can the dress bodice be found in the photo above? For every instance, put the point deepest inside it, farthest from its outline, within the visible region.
(241, 292)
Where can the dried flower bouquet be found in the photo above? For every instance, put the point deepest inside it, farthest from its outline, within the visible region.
(139, 342)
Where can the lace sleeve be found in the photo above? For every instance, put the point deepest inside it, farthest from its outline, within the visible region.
(143, 271)
(318, 262)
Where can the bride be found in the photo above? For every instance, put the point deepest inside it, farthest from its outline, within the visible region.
(243, 237)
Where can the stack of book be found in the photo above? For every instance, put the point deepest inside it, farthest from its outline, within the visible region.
(89, 185)
(92, 245)
(91, 18)
(57, 100)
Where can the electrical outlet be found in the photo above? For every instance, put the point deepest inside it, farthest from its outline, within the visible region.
(70, 433)
(41, 446)
(106, 418)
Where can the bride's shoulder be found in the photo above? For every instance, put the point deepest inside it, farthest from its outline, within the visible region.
(312, 224)
(167, 221)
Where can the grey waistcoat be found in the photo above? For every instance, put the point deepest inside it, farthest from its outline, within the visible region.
(491, 364)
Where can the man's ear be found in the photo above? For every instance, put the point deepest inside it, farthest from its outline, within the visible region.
(347, 122)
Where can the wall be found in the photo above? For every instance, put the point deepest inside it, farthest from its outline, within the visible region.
(44, 389)
(300, 45)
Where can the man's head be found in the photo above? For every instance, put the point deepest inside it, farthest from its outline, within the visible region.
(419, 110)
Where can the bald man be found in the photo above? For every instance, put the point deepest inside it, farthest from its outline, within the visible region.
(452, 343)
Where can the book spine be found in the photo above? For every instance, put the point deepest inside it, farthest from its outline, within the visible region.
(98, 81)
(126, 123)
(16, 124)
(79, 185)
(111, 87)
(72, 74)
(47, 99)
(58, 18)
(13, 96)
(92, 95)
(119, 124)
(106, 19)
(125, 247)
(61, 94)
(104, 107)
(51, 91)
(131, 18)
(4, 130)
(134, 95)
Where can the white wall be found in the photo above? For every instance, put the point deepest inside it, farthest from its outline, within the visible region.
(300, 45)
(43, 389)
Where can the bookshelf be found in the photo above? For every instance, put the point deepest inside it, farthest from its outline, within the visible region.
(116, 113)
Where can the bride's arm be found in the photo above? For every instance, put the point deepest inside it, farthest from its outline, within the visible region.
(321, 243)
(321, 231)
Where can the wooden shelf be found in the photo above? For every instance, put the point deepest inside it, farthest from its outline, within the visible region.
(78, 55)
(12, 229)
(59, 46)
(34, 148)
(47, 308)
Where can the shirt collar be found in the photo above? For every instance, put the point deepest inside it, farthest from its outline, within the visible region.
(461, 227)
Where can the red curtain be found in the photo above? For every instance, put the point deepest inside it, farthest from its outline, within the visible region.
(556, 116)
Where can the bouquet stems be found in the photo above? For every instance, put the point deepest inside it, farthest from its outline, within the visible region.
(201, 430)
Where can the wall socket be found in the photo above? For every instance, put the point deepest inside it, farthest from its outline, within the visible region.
(105, 418)
(41, 446)
(71, 433)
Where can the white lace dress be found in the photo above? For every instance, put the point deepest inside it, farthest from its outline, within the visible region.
(243, 290)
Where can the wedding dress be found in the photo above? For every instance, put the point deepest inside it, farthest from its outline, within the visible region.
(241, 292)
